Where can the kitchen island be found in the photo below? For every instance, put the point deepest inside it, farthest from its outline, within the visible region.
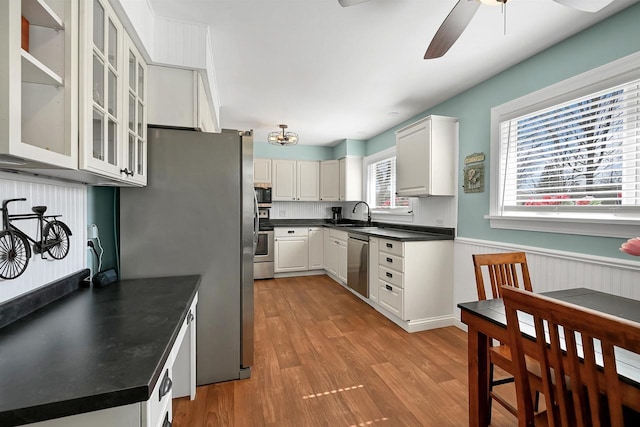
(101, 352)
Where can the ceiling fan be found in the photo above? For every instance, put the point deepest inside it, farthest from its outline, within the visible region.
(462, 13)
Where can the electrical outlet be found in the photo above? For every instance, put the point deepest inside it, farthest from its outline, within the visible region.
(92, 231)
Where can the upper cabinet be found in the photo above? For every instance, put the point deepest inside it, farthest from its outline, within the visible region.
(341, 180)
(295, 180)
(426, 153)
(350, 179)
(112, 97)
(329, 180)
(177, 97)
(262, 171)
(39, 83)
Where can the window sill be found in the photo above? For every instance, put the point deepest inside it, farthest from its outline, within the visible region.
(623, 228)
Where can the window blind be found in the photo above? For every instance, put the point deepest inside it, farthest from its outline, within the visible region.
(382, 185)
(583, 154)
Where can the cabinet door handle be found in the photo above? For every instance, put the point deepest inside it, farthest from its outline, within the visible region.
(389, 245)
(166, 422)
(389, 260)
(389, 274)
(165, 385)
(389, 288)
(291, 231)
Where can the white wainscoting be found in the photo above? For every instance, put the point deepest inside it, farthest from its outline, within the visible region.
(61, 198)
(549, 270)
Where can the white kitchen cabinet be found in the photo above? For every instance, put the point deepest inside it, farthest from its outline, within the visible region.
(316, 248)
(295, 180)
(291, 249)
(426, 157)
(135, 109)
(330, 180)
(335, 255)
(102, 90)
(308, 181)
(262, 171)
(177, 97)
(39, 91)
(415, 281)
(350, 179)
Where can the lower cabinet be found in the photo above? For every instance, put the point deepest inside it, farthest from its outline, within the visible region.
(335, 253)
(316, 249)
(177, 379)
(291, 249)
(414, 281)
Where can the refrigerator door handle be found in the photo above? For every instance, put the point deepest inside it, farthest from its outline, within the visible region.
(256, 222)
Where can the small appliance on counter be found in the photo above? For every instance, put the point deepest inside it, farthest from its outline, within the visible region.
(336, 214)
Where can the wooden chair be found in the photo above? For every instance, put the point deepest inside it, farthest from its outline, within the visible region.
(508, 269)
(573, 384)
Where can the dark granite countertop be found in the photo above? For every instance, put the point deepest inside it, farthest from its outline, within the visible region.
(93, 349)
(403, 233)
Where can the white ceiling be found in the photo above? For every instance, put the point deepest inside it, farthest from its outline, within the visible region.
(332, 73)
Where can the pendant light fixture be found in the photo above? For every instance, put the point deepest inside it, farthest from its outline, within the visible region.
(283, 138)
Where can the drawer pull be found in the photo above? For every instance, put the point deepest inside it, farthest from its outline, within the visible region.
(291, 231)
(390, 245)
(166, 422)
(389, 288)
(389, 260)
(389, 274)
(189, 318)
(165, 385)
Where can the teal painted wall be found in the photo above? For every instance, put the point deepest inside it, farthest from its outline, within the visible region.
(607, 41)
(101, 212)
(264, 150)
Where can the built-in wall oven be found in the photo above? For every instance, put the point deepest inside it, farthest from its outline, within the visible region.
(263, 258)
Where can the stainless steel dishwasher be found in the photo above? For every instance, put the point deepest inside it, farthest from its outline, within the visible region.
(358, 263)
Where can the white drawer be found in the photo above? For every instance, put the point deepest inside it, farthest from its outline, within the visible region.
(391, 261)
(390, 297)
(338, 234)
(154, 409)
(166, 415)
(393, 247)
(391, 276)
(291, 232)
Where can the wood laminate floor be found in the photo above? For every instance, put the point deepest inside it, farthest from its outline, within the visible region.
(325, 358)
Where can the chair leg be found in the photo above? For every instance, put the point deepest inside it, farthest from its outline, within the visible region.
(490, 390)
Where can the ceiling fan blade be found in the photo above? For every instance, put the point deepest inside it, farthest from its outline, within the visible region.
(451, 28)
(585, 5)
(347, 3)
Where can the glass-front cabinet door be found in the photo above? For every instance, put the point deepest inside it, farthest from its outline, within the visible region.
(101, 70)
(135, 135)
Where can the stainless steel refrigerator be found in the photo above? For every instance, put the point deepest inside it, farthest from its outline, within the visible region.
(197, 216)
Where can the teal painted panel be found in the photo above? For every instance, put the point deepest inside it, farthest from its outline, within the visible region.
(101, 212)
(264, 150)
(339, 150)
(356, 148)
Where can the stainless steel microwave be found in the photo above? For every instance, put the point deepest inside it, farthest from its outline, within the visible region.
(263, 195)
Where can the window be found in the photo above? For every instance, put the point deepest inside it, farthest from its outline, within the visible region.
(381, 183)
(570, 153)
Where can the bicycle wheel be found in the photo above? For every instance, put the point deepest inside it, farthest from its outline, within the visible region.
(14, 255)
(56, 239)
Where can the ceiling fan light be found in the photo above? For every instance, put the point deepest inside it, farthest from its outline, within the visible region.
(282, 138)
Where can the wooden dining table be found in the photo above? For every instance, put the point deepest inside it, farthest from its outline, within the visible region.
(486, 320)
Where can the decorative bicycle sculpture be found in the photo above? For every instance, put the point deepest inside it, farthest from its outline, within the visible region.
(15, 250)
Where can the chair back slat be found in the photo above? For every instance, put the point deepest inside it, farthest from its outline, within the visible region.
(503, 269)
(573, 384)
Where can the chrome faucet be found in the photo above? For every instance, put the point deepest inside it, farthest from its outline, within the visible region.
(368, 211)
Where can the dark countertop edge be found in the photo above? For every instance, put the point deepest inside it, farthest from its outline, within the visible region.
(111, 399)
(23, 305)
(430, 233)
